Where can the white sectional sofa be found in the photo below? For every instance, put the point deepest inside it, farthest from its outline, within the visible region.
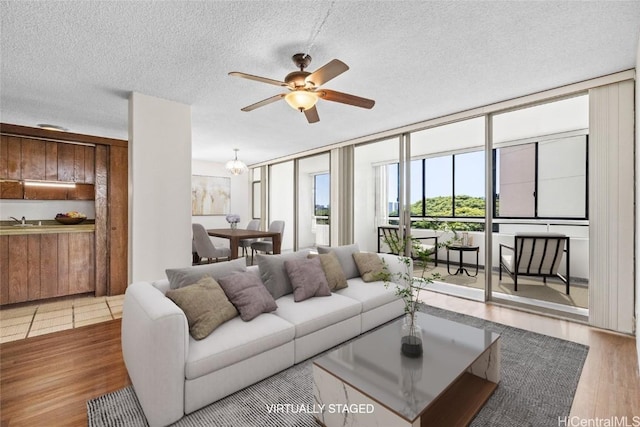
(173, 374)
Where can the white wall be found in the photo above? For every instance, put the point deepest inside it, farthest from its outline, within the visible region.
(240, 197)
(159, 186)
(544, 119)
(637, 219)
(454, 136)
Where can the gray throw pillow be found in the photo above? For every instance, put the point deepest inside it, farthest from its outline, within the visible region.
(332, 270)
(248, 295)
(370, 266)
(274, 275)
(204, 304)
(345, 256)
(307, 278)
(179, 277)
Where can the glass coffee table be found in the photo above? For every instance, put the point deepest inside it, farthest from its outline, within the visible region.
(369, 382)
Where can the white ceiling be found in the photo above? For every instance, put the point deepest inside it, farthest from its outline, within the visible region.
(74, 63)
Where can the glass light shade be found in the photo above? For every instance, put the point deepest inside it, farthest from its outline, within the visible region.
(301, 99)
(236, 167)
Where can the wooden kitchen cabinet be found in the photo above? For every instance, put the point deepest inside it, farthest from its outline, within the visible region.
(24, 158)
(39, 266)
(10, 157)
(33, 162)
(11, 190)
(99, 168)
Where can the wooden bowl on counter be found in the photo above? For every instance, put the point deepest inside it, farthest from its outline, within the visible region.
(67, 220)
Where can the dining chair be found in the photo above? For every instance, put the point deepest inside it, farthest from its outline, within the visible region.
(253, 225)
(266, 244)
(205, 247)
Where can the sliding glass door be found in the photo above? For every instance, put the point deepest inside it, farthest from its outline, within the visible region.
(541, 186)
(313, 201)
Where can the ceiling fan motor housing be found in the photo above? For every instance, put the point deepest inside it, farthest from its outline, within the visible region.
(297, 79)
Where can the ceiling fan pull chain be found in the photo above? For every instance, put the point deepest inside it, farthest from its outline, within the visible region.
(312, 38)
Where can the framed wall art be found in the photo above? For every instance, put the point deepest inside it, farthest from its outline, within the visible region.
(210, 195)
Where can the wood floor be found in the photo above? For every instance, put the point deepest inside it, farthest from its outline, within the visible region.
(46, 380)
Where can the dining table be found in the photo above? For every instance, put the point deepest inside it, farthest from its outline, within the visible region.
(236, 234)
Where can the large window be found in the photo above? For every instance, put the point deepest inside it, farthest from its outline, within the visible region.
(313, 202)
(321, 197)
(468, 185)
(438, 187)
(447, 186)
(546, 179)
(391, 174)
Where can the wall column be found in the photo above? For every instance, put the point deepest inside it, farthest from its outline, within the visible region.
(160, 186)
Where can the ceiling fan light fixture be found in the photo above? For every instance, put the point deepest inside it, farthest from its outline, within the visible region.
(235, 166)
(301, 100)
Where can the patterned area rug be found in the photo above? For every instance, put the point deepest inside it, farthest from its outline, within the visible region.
(539, 376)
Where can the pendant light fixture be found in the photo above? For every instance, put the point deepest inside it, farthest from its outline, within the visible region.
(235, 166)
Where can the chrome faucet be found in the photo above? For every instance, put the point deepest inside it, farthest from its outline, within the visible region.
(23, 221)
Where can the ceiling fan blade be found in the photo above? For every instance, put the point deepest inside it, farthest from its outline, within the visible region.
(257, 78)
(345, 98)
(312, 115)
(325, 73)
(263, 102)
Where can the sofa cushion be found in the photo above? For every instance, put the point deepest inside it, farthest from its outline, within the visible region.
(235, 341)
(371, 295)
(332, 270)
(248, 295)
(369, 265)
(316, 313)
(307, 278)
(345, 257)
(179, 277)
(204, 304)
(273, 273)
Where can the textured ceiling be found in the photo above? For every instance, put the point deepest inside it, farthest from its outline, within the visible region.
(74, 63)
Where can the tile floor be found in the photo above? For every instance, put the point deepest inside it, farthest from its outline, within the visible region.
(42, 318)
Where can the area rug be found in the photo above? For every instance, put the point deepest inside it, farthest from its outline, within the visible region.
(539, 376)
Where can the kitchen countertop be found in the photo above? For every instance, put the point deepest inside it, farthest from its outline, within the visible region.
(7, 228)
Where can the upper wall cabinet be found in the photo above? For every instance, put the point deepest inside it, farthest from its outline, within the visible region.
(24, 159)
(33, 159)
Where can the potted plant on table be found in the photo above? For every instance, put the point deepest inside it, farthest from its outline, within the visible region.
(408, 287)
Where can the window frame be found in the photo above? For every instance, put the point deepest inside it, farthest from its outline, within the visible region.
(536, 178)
(476, 219)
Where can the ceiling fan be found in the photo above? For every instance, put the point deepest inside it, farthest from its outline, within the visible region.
(304, 87)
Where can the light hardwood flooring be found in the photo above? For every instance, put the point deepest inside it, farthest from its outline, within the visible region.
(30, 320)
(46, 380)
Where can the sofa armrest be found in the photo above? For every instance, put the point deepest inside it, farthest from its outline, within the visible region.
(155, 340)
(399, 267)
